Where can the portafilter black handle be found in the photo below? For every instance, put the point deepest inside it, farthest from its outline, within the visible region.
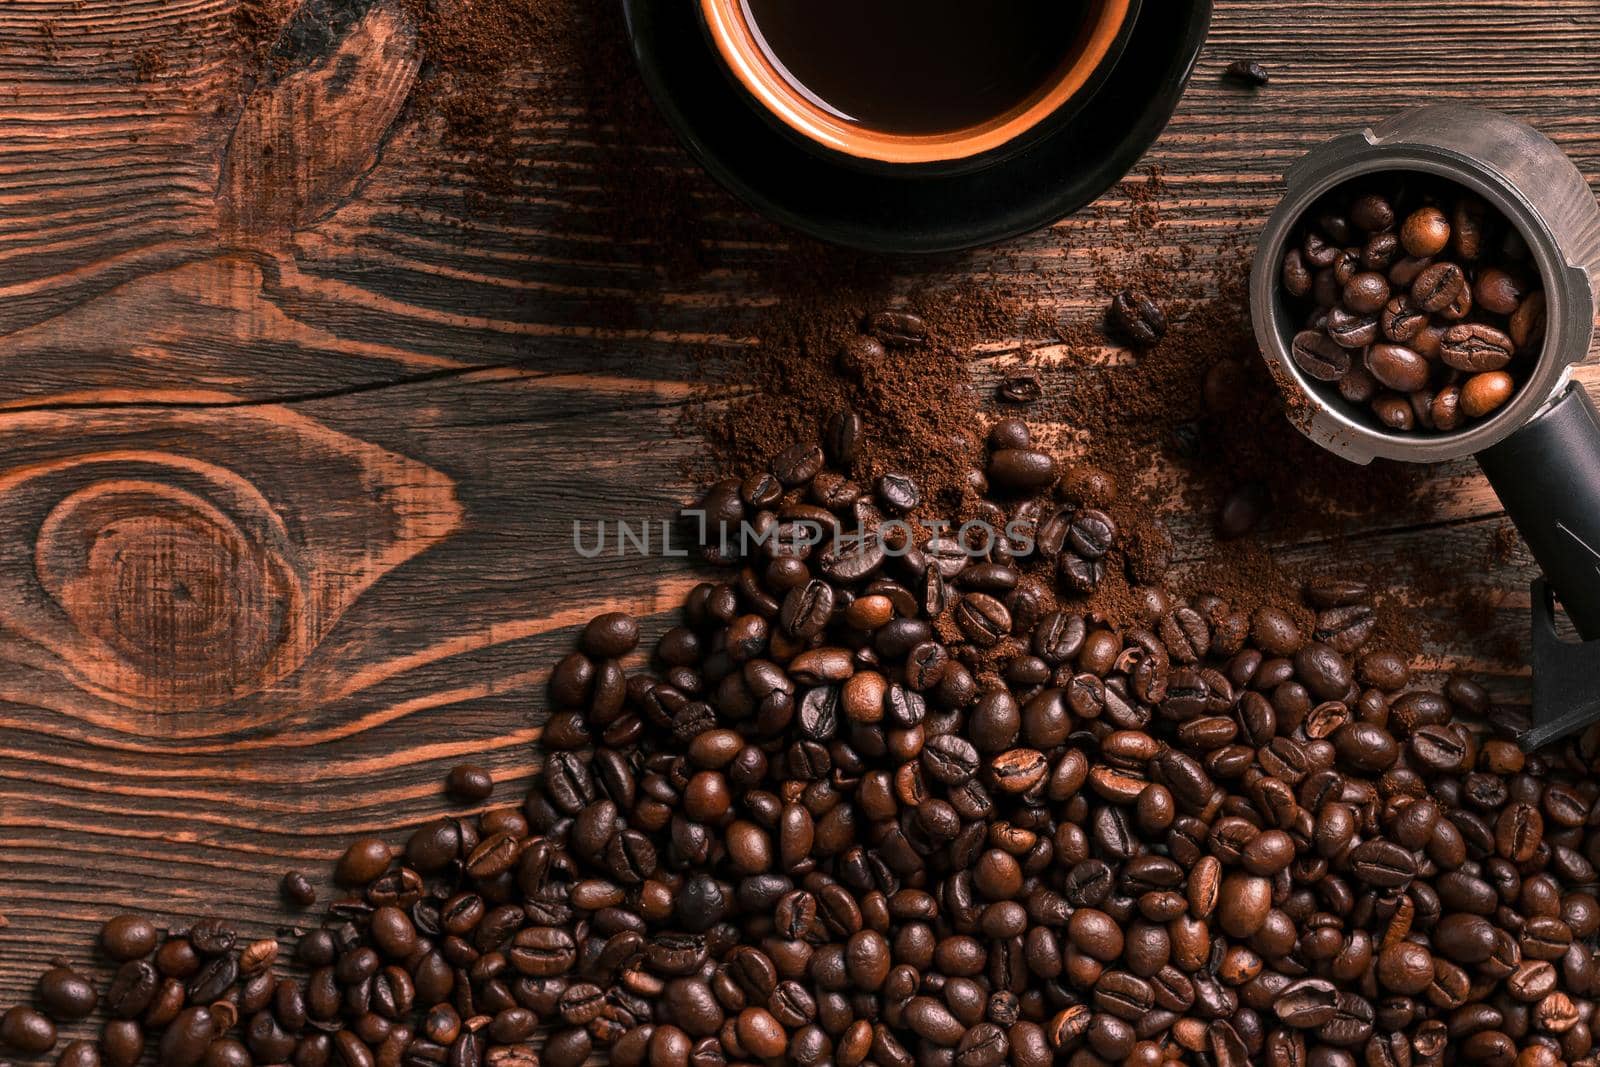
(1548, 477)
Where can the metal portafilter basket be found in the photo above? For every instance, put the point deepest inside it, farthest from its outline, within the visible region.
(1541, 451)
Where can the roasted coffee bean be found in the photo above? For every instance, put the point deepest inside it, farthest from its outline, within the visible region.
(1383, 864)
(1437, 747)
(1475, 347)
(1380, 251)
(132, 988)
(1136, 317)
(1307, 1004)
(1401, 321)
(984, 1045)
(1095, 934)
(1397, 367)
(1092, 533)
(1405, 968)
(353, 1052)
(471, 783)
(1372, 213)
(800, 463)
(1022, 388)
(121, 1043)
(65, 995)
(1425, 232)
(896, 327)
(1437, 287)
(298, 890)
(257, 956)
(1349, 329)
(841, 436)
(1528, 323)
(1022, 469)
(1352, 1023)
(1358, 386)
(1497, 291)
(26, 1031)
(1320, 356)
(1247, 72)
(214, 979)
(211, 936)
(363, 861)
(1519, 831)
(897, 492)
(982, 619)
(950, 760)
(1366, 293)
(1484, 393)
(1243, 904)
(79, 1054)
(228, 1052)
(128, 937)
(185, 1041)
(1446, 411)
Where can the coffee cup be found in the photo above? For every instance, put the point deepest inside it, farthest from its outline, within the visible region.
(936, 85)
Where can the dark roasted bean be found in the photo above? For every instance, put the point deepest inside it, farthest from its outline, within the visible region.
(1247, 72)
(26, 1031)
(65, 995)
(128, 937)
(1137, 318)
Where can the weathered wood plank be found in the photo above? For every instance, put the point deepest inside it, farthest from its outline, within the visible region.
(389, 401)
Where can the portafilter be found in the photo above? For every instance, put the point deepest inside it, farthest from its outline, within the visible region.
(1541, 451)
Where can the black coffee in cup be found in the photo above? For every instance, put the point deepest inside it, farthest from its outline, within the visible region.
(919, 66)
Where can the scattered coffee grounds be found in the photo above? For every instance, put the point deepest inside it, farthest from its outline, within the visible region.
(876, 802)
(478, 54)
(903, 370)
(1199, 427)
(1503, 545)
(149, 64)
(1193, 425)
(258, 26)
(1420, 303)
(50, 48)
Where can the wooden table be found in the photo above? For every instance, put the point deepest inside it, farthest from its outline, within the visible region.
(295, 425)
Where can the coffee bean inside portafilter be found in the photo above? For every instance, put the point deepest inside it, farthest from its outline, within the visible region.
(1420, 302)
(916, 805)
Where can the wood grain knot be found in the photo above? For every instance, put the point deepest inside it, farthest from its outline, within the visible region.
(183, 560)
(197, 588)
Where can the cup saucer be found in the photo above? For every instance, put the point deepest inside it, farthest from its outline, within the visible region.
(1056, 176)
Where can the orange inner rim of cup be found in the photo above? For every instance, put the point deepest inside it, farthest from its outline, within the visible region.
(744, 54)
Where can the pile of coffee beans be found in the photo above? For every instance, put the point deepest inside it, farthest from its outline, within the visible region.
(1422, 304)
(887, 799)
